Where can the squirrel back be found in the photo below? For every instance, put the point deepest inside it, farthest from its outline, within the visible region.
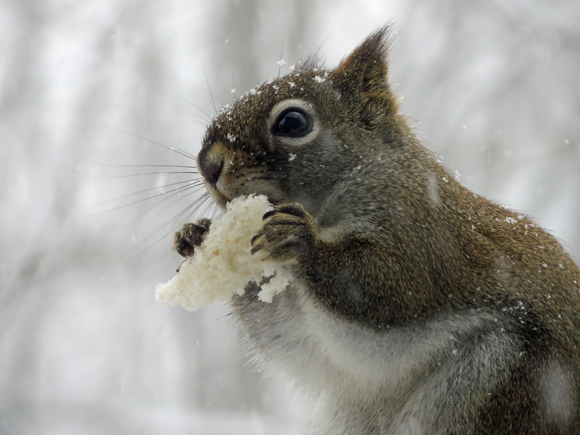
(417, 306)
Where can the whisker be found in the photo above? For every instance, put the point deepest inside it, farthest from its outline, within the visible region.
(203, 124)
(209, 88)
(189, 210)
(181, 188)
(131, 250)
(179, 195)
(207, 202)
(191, 182)
(143, 166)
(209, 118)
(195, 207)
(177, 217)
(174, 149)
(216, 211)
(147, 173)
(197, 116)
(171, 230)
(192, 208)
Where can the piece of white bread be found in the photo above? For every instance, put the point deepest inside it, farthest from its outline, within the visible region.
(223, 264)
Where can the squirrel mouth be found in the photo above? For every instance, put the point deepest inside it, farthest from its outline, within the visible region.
(219, 198)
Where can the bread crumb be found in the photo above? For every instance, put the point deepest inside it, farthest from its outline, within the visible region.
(223, 265)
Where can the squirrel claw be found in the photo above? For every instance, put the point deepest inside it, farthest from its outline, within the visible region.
(294, 209)
(287, 234)
(269, 214)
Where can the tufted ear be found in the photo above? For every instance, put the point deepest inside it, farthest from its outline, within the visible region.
(362, 76)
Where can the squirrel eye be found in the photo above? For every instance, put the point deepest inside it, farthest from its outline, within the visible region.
(292, 122)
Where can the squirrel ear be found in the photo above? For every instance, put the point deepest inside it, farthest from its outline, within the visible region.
(362, 76)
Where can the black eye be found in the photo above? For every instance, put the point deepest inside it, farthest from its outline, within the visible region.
(292, 122)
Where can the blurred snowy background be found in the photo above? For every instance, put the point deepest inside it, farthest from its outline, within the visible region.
(87, 87)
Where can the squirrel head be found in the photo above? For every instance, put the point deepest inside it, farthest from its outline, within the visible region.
(293, 138)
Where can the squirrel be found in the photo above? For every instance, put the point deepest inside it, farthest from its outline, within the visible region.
(416, 305)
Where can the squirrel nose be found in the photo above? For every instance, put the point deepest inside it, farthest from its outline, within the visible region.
(211, 171)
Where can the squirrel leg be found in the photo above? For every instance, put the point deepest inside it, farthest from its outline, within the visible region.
(451, 399)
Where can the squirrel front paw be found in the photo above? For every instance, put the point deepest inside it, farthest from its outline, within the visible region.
(189, 236)
(288, 233)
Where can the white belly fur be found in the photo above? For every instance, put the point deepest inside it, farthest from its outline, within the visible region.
(347, 366)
